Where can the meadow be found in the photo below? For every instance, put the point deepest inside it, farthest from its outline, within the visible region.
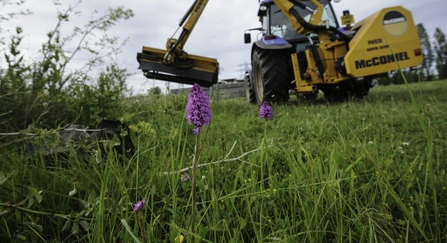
(361, 171)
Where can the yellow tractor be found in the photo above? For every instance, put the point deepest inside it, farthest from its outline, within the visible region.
(302, 48)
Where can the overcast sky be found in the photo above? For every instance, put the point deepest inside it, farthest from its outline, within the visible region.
(218, 34)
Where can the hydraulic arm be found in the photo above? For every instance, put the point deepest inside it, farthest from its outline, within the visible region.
(174, 64)
(175, 46)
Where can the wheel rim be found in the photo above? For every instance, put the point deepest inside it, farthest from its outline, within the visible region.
(259, 84)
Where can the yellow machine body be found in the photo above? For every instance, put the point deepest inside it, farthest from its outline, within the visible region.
(385, 41)
(340, 62)
(381, 41)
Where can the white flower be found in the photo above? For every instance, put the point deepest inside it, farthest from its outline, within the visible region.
(405, 143)
(73, 192)
(370, 142)
(401, 150)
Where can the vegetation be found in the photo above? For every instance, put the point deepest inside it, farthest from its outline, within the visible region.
(364, 171)
(358, 172)
(46, 92)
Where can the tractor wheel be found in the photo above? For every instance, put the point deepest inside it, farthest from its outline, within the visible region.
(271, 77)
(249, 92)
(360, 91)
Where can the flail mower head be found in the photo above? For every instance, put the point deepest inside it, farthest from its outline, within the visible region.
(192, 69)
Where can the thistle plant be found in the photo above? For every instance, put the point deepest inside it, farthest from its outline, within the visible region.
(198, 113)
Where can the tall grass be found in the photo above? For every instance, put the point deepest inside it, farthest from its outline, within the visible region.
(369, 171)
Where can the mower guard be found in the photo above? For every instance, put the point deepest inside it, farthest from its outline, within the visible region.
(195, 69)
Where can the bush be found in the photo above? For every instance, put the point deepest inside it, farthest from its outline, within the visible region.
(42, 93)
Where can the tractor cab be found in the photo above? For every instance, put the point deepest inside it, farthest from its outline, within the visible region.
(275, 23)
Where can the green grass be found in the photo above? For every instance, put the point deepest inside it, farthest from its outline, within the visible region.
(367, 171)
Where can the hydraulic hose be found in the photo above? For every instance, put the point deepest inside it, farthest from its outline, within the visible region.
(182, 21)
(302, 5)
(315, 28)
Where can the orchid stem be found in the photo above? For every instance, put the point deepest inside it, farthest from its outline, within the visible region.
(193, 191)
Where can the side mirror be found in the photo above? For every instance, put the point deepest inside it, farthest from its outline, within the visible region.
(247, 38)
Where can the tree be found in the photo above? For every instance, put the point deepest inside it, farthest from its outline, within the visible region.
(441, 53)
(427, 51)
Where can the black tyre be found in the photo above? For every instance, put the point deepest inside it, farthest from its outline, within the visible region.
(271, 77)
(348, 91)
(249, 92)
(361, 90)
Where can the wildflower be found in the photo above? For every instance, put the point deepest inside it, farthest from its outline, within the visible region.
(184, 178)
(139, 205)
(405, 143)
(401, 150)
(198, 111)
(370, 143)
(265, 111)
(73, 192)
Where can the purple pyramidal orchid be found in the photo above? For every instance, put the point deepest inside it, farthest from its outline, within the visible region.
(139, 205)
(198, 111)
(266, 111)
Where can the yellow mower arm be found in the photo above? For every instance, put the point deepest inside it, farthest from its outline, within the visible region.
(174, 64)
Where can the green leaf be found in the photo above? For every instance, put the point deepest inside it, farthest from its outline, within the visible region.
(30, 202)
(3, 179)
(84, 225)
(75, 228)
(126, 226)
(66, 225)
(242, 223)
(21, 237)
(38, 196)
(84, 203)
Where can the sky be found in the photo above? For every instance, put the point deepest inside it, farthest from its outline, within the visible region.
(218, 33)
